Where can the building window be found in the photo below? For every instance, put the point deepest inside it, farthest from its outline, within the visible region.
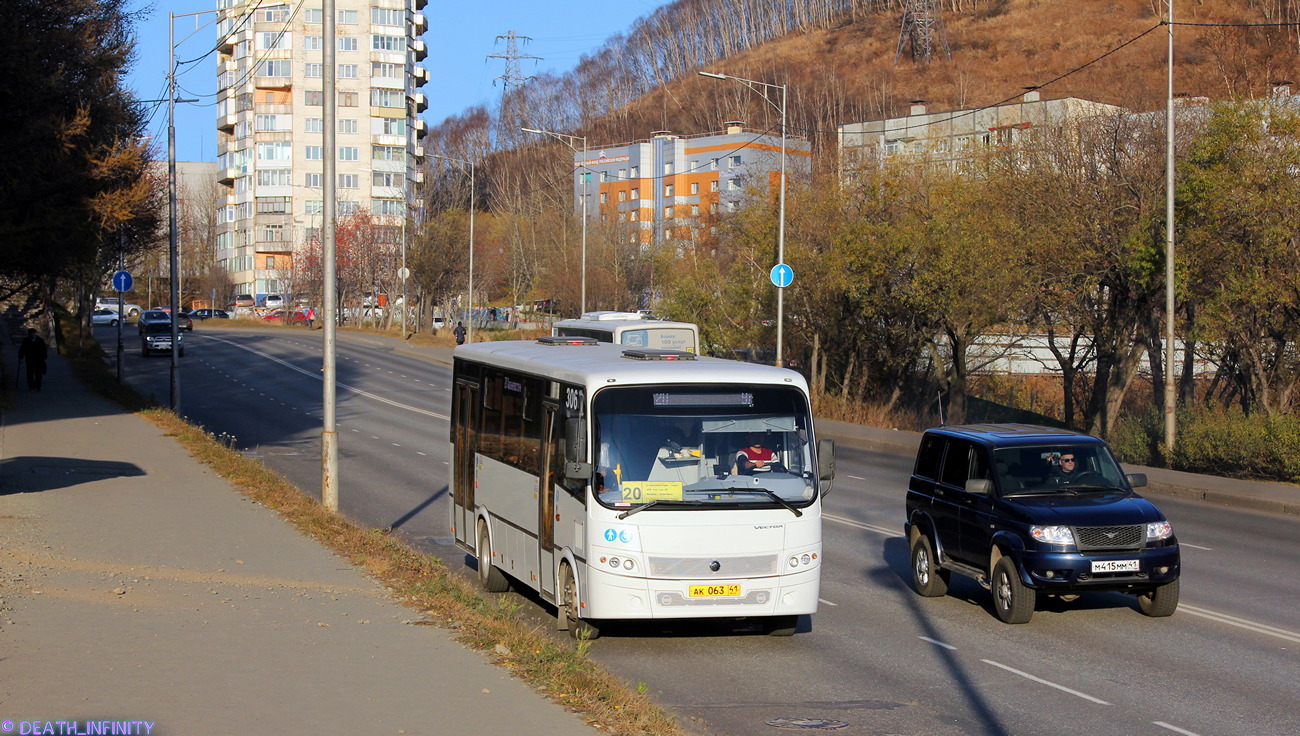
(668, 212)
(315, 15)
(275, 151)
(315, 125)
(387, 179)
(315, 207)
(636, 169)
(695, 210)
(387, 98)
(634, 215)
(273, 205)
(387, 43)
(622, 173)
(271, 123)
(314, 98)
(348, 71)
(394, 126)
(348, 208)
(312, 181)
(668, 190)
(275, 68)
(695, 187)
(347, 43)
(387, 17)
(272, 233)
(735, 160)
(388, 153)
(713, 185)
(313, 43)
(389, 207)
(603, 197)
(347, 99)
(622, 217)
(315, 153)
(273, 177)
(622, 196)
(733, 184)
(348, 17)
(314, 71)
(347, 126)
(636, 193)
(348, 153)
(348, 181)
(386, 70)
(270, 261)
(713, 208)
(668, 168)
(274, 40)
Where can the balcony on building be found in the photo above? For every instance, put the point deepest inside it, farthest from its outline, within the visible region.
(421, 50)
(419, 23)
(421, 76)
(420, 4)
(417, 151)
(421, 102)
(417, 177)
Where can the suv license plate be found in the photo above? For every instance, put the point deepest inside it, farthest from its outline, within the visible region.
(729, 590)
(1115, 566)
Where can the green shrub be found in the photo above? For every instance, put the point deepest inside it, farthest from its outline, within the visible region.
(1215, 442)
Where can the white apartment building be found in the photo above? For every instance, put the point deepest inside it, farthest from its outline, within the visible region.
(270, 118)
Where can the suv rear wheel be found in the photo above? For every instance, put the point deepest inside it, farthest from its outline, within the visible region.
(1012, 600)
(929, 579)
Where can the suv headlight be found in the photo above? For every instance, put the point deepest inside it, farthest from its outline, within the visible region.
(1052, 534)
(1158, 530)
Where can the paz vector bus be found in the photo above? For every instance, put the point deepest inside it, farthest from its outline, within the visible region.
(632, 329)
(607, 478)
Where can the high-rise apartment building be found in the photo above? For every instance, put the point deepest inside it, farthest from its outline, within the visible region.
(270, 122)
(671, 188)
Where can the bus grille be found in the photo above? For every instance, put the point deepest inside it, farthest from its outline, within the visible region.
(728, 567)
(1116, 538)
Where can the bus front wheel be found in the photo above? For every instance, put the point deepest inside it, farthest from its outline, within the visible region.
(567, 612)
(489, 575)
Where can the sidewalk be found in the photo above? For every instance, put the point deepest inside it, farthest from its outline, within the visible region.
(136, 585)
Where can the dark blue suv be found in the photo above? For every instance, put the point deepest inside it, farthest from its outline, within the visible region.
(1028, 510)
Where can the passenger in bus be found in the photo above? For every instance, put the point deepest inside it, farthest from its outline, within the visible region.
(755, 457)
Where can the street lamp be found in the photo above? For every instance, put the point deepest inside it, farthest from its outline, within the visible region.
(568, 141)
(470, 164)
(761, 88)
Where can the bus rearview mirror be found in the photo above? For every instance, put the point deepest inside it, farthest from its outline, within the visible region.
(826, 459)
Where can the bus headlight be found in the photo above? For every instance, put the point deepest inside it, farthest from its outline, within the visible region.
(804, 560)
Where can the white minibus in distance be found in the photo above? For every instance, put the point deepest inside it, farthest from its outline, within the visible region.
(632, 329)
(607, 479)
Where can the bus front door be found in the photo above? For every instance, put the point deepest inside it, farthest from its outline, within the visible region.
(552, 465)
(464, 440)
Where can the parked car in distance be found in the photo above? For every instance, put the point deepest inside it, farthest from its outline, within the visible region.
(202, 314)
(296, 317)
(244, 300)
(157, 337)
(273, 301)
(104, 317)
(152, 316)
(185, 321)
(109, 302)
(1029, 511)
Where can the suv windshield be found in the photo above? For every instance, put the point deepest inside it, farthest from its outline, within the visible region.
(1053, 468)
(700, 446)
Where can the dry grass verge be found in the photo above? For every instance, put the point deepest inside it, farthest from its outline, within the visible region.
(557, 668)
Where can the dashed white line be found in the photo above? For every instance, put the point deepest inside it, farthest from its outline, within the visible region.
(936, 642)
(397, 445)
(1175, 729)
(1048, 683)
(860, 525)
(1224, 618)
(1194, 546)
(417, 452)
(857, 477)
(823, 600)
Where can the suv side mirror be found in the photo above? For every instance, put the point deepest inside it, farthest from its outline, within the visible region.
(980, 486)
(575, 451)
(1137, 480)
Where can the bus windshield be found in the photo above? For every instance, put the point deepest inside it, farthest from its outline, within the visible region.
(699, 446)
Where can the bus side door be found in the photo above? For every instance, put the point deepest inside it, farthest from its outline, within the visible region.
(464, 442)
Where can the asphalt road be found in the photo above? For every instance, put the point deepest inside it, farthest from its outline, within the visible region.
(876, 657)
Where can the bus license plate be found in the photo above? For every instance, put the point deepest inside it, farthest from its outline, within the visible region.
(729, 590)
(1115, 566)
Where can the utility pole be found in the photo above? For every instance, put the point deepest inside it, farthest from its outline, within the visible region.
(329, 494)
(923, 26)
(512, 56)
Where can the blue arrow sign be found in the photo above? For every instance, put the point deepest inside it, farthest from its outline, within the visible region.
(122, 281)
(782, 275)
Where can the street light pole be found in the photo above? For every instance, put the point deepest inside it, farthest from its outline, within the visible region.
(1170, 414)
(757, 86)
(470, 164)
(568, 140)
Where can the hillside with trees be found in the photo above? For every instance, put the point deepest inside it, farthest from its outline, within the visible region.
(906, 269)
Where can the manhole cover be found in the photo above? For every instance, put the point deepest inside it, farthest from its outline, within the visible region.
(824, 724)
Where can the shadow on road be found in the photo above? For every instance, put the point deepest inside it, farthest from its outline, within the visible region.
(29, 474)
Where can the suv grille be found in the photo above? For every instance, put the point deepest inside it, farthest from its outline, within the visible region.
(1097, 538)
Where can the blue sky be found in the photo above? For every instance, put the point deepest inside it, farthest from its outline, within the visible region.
(461, 35)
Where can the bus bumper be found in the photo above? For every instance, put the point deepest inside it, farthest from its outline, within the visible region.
(610, 596)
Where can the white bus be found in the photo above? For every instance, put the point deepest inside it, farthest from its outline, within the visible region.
(632, 329)
(606, 478)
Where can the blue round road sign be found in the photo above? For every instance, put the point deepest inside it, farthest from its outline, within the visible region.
(122, 281)
(782, 275)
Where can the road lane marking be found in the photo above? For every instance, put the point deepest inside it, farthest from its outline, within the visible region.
(823, 600)
(860, 525)
(938, 643)
(1193, 546)
(857, 477)
(316, 375)
(417, 452)
(1258, 628)
(1175, 729)
(1048, 683)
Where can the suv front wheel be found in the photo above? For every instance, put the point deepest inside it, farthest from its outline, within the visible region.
(1159, 601)
(929, 579)
(1012, 600)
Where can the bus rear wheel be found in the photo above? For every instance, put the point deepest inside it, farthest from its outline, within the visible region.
(567, 612)
(489, 575)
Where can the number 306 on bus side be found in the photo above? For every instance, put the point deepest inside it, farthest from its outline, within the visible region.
(624, 483)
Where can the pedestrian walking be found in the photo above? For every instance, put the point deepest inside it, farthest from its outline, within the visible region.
(33, 350)
(459, 332)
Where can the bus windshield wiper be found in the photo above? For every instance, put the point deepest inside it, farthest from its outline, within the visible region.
(643, 507)
(773, 495)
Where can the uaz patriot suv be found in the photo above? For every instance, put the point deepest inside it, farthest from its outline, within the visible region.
(1028, 510)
